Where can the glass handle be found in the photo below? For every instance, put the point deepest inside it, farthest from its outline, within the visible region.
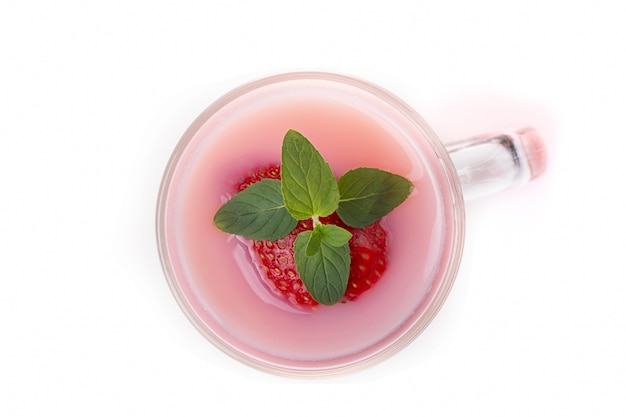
(492, 163)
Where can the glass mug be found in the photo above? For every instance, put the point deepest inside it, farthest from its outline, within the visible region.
(352, 123)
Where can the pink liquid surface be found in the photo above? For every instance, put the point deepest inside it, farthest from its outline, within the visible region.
(212, 273)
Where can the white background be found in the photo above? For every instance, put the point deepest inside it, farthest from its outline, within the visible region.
(95, 95)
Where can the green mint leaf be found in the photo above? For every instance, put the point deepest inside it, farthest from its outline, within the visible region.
(258, 212)
(308, 184)
(368, 194)
(325, 273)
(334, 235)
(314, 241)
(331, 234)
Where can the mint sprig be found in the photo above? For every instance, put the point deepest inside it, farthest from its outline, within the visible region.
(270, 210)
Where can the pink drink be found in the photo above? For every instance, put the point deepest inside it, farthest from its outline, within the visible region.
(212, 274)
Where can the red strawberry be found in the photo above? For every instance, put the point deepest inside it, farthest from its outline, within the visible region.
(368, 247)
(271, 171)
(276, 261)
(368, 260)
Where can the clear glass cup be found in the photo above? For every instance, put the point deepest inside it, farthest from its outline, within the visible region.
(210, 273)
